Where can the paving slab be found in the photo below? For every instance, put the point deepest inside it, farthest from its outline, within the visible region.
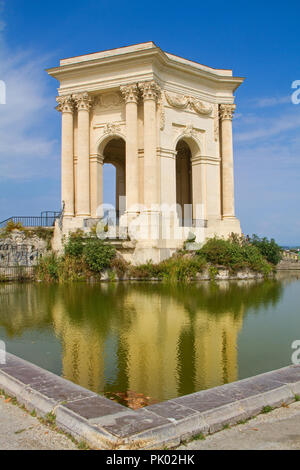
(104, 424)
(277, 430)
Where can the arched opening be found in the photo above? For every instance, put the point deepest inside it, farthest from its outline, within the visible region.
(114, 174)
(184, 198)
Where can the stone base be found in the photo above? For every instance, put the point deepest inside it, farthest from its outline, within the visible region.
(163, 244)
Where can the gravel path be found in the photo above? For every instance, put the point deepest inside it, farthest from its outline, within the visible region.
(277, 430)
(20, 431)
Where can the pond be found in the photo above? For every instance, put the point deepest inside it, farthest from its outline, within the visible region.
(141, 343)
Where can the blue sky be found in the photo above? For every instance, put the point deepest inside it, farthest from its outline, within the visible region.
(258, 40)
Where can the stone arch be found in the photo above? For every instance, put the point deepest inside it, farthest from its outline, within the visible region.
(106, 138)
(188, 182)
(112, 149)
(191, 141)
(184, 182)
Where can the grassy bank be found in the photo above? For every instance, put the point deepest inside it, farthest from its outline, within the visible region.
(87, 258)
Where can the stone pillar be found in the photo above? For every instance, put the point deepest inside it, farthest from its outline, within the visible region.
(83, 103)
(150, 92)
(199, 189)
(226, 114)
(96, 171)
(130, 94)
(66, 107)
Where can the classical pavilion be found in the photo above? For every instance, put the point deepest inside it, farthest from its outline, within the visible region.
(165, 123)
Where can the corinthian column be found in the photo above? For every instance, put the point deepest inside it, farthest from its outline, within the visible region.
(66, 107)
(83, 103)
(226, 114)
(150, 92)
(130, 94)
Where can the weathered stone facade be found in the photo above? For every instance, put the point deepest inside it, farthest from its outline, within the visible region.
(17, 249)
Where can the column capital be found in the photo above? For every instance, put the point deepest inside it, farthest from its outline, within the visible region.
(227, 111)
(83, 101)
(150, 90)
(130, 93)
(65, 104)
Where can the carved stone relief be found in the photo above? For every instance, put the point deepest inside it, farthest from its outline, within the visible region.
(188, 102)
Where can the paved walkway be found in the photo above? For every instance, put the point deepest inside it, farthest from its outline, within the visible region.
(279, 429)
(20, 431)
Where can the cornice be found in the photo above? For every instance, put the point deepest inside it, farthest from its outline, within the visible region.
(152, 54)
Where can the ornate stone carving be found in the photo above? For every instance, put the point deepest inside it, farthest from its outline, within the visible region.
(183, 102)
(178, 101)
(83, 101)
(111, 128)
(162, 114)
(200, 107)
(150, 90)
(189, 131)
(227, 111)
(216, 123)
(130, 93)
(65, 104)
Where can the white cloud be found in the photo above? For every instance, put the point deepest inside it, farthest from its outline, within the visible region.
(258, 127)
(27, 146)
(270, 101)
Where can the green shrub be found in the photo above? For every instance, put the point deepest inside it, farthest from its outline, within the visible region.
(74, 247)
(11, 225)
(120, 266)
(234, 253)
(98, 255)
(268, 248)
(48, 268)
(176, 268)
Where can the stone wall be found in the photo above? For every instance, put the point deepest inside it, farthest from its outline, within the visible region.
(19, 249)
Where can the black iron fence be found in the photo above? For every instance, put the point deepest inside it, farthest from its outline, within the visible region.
(46, 219)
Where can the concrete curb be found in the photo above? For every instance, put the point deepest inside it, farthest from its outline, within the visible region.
(104, 424)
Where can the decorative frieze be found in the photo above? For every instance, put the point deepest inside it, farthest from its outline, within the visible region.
(108, 100)
(188, 102)
(227, 111)
(111, 128)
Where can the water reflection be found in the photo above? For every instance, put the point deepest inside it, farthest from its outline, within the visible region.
(159, 340)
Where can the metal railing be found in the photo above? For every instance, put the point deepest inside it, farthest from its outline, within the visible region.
(46, 219)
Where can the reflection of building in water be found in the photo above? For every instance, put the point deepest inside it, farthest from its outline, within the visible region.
(82, 349)
(172, 352)
(154, 344)
(24, 306)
